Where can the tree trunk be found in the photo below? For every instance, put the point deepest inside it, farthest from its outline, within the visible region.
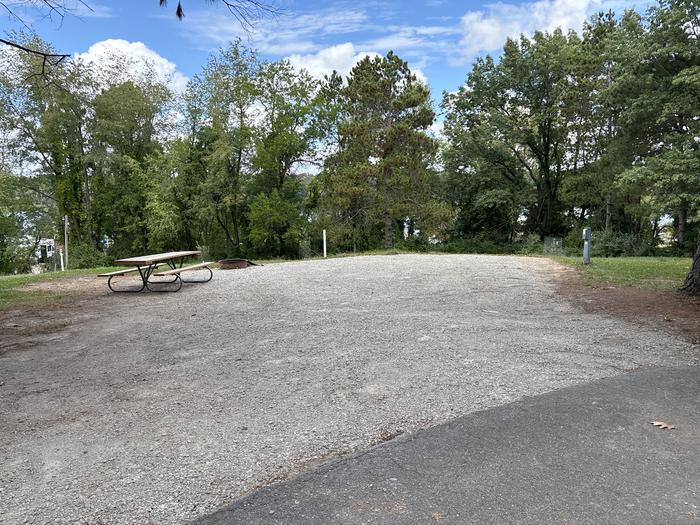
(226, 232)
(354, 237)
(236, 228)
(680, 232)
(388, 231)
(608, 214)
(77, 228)
(691, 285)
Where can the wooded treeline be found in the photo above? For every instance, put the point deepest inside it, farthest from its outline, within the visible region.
(597, 128)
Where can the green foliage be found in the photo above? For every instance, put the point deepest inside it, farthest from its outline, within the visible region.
(476, 244)
(531, 244)
(87, 256)
(618, 244)
(381, 172)
(275, 225)
(508, 136)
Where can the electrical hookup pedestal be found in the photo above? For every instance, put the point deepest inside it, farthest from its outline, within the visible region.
(586, 246)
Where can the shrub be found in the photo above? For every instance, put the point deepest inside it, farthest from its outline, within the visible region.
(617, 244)
(530, 244)
(610, 244)
(86, 256)
(475, 245)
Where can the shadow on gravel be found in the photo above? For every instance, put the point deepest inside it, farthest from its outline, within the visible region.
(583, 454)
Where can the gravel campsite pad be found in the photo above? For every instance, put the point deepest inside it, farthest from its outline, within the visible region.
(153, 408)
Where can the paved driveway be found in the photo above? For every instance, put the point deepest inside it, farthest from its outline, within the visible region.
(164, 407)
(584, 454)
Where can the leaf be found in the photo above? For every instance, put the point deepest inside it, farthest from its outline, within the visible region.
(661, 424)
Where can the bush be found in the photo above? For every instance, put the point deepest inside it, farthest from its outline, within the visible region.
(14, 259)
(417, 244)
(617, 244)
(610, 244)
(476, 245)
(86, 256)
(531, 244)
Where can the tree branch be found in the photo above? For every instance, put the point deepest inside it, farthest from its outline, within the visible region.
(52, 59)
(246, 12)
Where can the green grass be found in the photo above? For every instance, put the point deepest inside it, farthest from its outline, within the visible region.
(13, 293)
(655, 273)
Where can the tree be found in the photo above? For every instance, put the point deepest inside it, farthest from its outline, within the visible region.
(229, 95)
(662, 119)
(513, 120)
(44, 117)
(124, 137)
(276, 225)
(381, 169)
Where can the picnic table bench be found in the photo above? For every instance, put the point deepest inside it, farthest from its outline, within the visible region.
(147, 267)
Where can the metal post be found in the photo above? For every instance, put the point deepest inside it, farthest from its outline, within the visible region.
(60, 256)
(65, 237)
(325, 251)
(586, 246)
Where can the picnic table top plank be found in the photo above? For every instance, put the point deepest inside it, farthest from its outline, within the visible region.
(154, 258)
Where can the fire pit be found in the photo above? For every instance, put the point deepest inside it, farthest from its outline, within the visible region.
(235, 264)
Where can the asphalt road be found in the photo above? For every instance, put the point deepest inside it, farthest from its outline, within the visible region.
(583, 454)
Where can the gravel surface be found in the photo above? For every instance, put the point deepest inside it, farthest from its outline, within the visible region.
(159, 408)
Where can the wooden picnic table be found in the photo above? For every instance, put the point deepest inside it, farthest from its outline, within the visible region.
(146, 266)
(145, 260)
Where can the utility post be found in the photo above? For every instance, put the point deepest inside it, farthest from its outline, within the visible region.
(586, 246)
(65, 237)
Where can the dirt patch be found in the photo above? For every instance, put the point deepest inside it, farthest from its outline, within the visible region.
(66, 299)
(82, 285)
(672, 310)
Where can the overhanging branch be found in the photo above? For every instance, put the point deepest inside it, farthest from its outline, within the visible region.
(52, 59)
(246, 12)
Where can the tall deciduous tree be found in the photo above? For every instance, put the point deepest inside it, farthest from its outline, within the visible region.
(512, 117)
(662, 119)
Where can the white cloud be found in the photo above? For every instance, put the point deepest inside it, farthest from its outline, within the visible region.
(132, 61)
(282, 35)
(341, 58)
(420, 75)
(437, 128)
(89, 9)
(487, 30)
(415, 42)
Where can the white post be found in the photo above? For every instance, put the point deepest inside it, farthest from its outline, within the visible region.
(65, 237)
(60, 256)
(325, 252)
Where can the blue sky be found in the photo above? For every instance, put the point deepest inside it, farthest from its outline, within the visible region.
(439, 38)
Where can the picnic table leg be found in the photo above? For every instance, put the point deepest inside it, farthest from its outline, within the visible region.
(173, 264)
(150, 270)
(143, 276)
(211, 274)
(177, 279)
(109, 284)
